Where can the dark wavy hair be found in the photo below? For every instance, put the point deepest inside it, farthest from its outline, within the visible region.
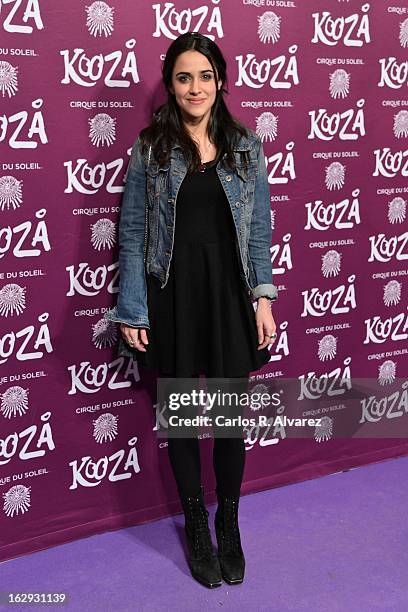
(167, 129)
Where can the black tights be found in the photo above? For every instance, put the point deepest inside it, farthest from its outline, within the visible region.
(228, 458)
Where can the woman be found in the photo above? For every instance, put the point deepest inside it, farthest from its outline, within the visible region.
(184, 298)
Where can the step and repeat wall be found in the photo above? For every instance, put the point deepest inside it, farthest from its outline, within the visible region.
(324, 84)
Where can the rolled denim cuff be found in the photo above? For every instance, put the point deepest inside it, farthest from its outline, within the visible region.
(113, 315)
(265, 290)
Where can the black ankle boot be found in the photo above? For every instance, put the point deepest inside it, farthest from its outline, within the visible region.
(202, 559)
(230, 551)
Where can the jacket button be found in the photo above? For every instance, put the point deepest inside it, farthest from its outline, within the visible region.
(228, 177)
(237, 204)
(170, 200)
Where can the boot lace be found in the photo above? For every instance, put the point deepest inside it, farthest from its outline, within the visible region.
(230, 528)
(201, 535)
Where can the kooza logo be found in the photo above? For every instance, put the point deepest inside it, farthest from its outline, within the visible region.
(81, 175)
(384, 249)
(34, 128)
(171, 23)
(91, 473)
(390, 164)
(89, 379)
(393, 406)
(393, 74)
(8, 79)
(254, 73)
(348, 125)
(21, 12)
(88, 281)
(87, 71)
(314, 386)
(380, 330)
(340, 300)
(353, 30)
(30, 234)
(281, 166)
(19, 342)
(339, 215)
(99, 19)
(26, 444)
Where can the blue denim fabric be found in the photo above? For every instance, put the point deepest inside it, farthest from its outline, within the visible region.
(247, 192)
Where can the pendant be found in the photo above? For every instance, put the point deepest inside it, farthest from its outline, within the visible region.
(202, 168)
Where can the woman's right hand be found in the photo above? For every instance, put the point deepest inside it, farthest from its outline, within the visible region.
(135, 335)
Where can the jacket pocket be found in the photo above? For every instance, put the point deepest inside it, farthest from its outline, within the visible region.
(156, 182)
(247, 172)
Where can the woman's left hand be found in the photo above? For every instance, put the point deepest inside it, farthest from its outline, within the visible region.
(265, 323)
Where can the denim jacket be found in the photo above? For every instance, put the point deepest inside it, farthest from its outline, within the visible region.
(248, 196)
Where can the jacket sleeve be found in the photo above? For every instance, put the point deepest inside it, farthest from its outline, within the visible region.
(260, 237)
(131, 307)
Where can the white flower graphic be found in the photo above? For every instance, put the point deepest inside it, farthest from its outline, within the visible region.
(99, 19)
(331, 263)
(269, 27)
(103, 234)
(267, 126)
(10, 192)
(397, 210)
(324, 431)
(12, 299)
(16, 499)
(8, 79)
(400, 127)
(327, 347)
(105, 427)
(102, 130)
(392, 293)
(335, 175)
(14, 401)
(339, 84)
(104, 333)
(387, 372)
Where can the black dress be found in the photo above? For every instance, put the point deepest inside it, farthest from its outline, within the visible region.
(203, 320)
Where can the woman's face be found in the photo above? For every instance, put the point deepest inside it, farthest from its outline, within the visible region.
(194, 85)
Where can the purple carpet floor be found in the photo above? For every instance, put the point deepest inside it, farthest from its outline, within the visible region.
(334, 544)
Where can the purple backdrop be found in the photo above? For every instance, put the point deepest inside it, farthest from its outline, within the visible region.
(325, 86)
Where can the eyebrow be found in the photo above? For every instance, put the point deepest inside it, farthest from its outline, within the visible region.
(209, 70)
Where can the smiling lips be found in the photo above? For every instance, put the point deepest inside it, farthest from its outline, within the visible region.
(196, 101)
